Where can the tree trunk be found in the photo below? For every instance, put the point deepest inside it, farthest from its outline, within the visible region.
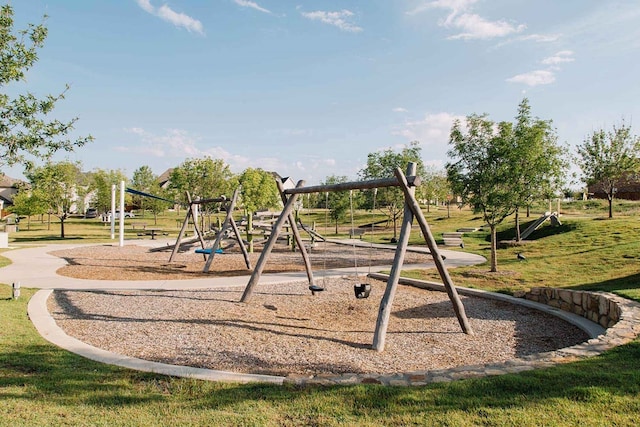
(62, 228)
(518, 238)
(494, 252)
(250, 231)
(610, 198)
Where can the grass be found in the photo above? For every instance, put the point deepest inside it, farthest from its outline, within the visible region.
(41, 384)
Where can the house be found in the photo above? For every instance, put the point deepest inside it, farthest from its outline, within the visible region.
(9, 187)
(627, 188)
(164, 178)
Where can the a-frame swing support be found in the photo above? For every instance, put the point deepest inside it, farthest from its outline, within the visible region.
(228, 222)
(412, 210)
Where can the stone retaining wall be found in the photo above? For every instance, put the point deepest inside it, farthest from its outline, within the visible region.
(595, 306)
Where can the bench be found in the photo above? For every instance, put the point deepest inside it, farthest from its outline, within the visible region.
(142, 225)
(453, 238)
(356, 232)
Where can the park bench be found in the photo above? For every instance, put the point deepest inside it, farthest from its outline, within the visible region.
(356, 232)
(453, 238)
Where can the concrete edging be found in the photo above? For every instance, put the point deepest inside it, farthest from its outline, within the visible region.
(47, 327)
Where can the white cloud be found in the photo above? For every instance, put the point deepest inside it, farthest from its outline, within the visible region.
(541, 38)
(534, 78)
(455, 6)
(176, 145)
(559, 58)
(476, 27)
(251, 5)
(146, 5)
(340, 19)
(544, 77)
(400, 110)
(471, 25)
(165, 13)
(180, 19)
(432, 130)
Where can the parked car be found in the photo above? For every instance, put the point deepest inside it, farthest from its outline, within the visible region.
(91, 213)
(126, 214)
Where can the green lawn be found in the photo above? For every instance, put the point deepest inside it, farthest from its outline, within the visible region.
(43, 385)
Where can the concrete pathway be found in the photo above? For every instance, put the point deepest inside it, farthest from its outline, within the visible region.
(34, 267)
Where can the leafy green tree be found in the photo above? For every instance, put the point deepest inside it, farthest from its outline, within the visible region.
(146, 181)
(259, 191)
(26, 132)
(27, 203)
(205, 178)
(101, 181)
(338, 201)
(382, 164)
(434, 187)
(56, 182)
(481, 170)
(539, 162)
(607, 157)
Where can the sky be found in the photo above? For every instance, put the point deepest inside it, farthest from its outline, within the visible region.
(309, 88)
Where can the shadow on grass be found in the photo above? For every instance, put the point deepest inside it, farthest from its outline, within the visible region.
(46, 374)
(46, 239)
(44, 370)
(631, 282)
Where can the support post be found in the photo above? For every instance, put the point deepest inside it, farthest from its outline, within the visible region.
(183, 228)
(386, 303)
(121, 217)
(216, 244)
(412, 203)
(298, 238)
(112, 218)
(268, 247)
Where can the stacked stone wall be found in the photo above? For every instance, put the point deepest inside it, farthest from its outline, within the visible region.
(595, 306)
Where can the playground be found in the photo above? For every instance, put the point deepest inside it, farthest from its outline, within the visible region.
(285, 330)
(287, 327)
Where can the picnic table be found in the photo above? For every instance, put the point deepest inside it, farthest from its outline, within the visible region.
(153, 231)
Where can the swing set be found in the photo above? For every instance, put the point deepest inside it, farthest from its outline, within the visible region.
(407, 183)
(229, 223)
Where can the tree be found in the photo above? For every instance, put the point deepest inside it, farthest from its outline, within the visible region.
(27, 203)
(606, 158)
(434, 187)
(26, 132)
(481, 170)
(539, 164)
(382, 164)
(205, 178)
(259, 191)
(56, 182)
(101, 181)
(339, 202)
(146, 181)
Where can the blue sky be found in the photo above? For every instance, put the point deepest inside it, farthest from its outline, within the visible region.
(308, 88)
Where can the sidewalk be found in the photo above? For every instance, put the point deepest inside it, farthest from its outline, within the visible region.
(34, 267)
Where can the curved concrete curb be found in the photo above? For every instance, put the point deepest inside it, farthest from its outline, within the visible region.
(47, 327)
(623, 332)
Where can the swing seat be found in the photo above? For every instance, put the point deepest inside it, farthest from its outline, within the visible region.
(362, 290)
(208, 251)
(315, 288)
